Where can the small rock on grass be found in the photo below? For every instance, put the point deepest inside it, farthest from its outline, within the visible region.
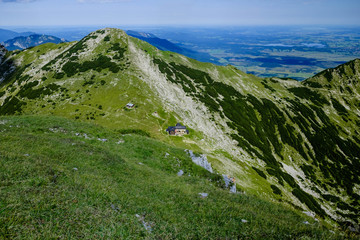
(310, 214)
(115, 208)
(75, 169)
(146, 225)
(203, 195)
(244, 221)
(354, 228)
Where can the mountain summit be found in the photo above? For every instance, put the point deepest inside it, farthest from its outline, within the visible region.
(295, 142)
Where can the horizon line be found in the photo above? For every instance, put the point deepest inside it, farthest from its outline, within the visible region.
(187, 25)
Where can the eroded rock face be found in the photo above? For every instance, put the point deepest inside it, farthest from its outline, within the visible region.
(2, 52)
(230, 183)
(200, 161)
(5, 68)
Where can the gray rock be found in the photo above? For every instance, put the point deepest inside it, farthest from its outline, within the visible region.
(180, 173)
(244, 221)
(203, 195)
(233, 188)
(354, 228)
(310, 214)
(230, 183)
(75, 169)
(147, 226)
(200, 161)
(115, 208)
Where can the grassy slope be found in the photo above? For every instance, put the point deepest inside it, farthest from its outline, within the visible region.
(42, 196)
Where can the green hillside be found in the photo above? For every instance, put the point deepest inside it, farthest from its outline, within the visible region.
(55, 183)
(283, 140)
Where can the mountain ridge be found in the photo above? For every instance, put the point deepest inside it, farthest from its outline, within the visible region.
(23, 42)
(277, 137)
(166, 45)
(8, 34)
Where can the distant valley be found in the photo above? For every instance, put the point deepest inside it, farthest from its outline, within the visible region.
(297, 52)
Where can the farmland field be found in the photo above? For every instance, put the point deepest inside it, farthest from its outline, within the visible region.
(283, 51)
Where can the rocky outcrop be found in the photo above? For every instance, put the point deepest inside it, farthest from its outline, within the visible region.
(3, 51)
(6, 65)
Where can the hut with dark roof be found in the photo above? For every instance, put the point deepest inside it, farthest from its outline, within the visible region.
(130, 105)
(178, 130)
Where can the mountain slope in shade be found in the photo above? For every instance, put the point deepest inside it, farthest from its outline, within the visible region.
(284, 140)
(20, 43)
(166, 45)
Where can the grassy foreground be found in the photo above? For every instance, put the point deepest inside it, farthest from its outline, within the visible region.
(61, 179)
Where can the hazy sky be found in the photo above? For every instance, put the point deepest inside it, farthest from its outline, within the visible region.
(178, 12)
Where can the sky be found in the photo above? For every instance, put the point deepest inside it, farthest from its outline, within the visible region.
(178, 12)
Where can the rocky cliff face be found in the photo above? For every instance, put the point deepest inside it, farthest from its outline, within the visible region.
(2, 52)
(285, 140)
(6, 64)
